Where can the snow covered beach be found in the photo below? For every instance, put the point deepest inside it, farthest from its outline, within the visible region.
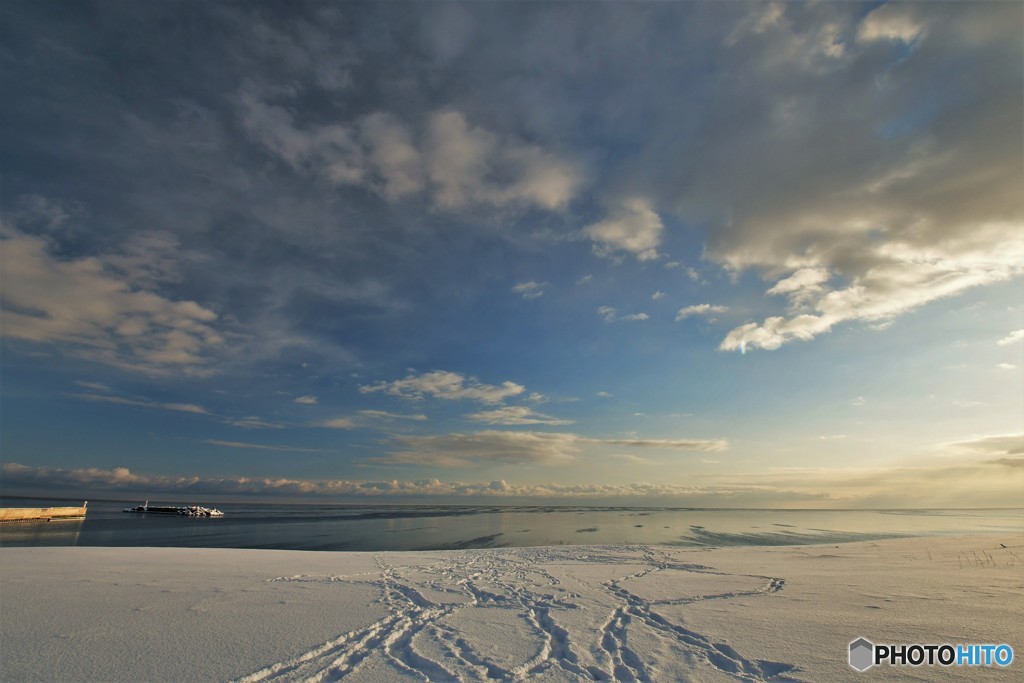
(548, 613)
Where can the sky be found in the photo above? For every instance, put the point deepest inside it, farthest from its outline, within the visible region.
(679, 253)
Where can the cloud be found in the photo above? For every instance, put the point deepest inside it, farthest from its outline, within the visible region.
(658, 295)
(610, 315)
(858, 401)
(841, 157)
(699, 309)
(515, 415)
(498, 447)
(604, 394)
(121, 479)
(338, 423)
(94, 386)
(384, 415)
(802, 285)
(903, 279)
(185, 408)
(1013, 337)
(530, 290)
(456, 164)
(1001, 444)
(978, 484)
(892, 23)
(252, 422)
(248, 422)
(633, 227)
(484, 448)
(707, 445)
(262, 447)
(470, 165)
(967, 404)
(446, 385)
(1006, 366)
(306, 400)
(142, 403)
(633, 459)
(93, 308)
(367, 419)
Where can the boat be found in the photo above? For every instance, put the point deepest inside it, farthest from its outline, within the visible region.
(42, 514)
(181, 511)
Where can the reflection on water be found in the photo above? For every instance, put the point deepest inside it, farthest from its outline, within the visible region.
(55, 532)
(433, 527)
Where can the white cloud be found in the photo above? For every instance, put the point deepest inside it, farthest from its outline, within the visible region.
(248, 422)
(968, 404)
(891, 22)
(926, 201)
(367, 419)
(802, 285)
(491, 447)
(707, 445)
(699, 309)
(990, 482)
(185, 408)
(859, 401)
(456, 164)
(530, 290)
(1006, 366)
(484, 448)
(123, 479)
(91, 309)
(390, 150)
(94, 386)
(515, 415)
(252, 422)
(610, 315)
(143, 403)
(999, 444)
(633, 227)
(262, 447)
(465, 163)
(585, 279)
(604, 394)
(338, 423)
(633, 459)
(903, 278)
(385, 415)
(446, 385)
(306, 400)
(658, 295)
(1015, 336)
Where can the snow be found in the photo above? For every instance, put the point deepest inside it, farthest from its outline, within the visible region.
(564, 613)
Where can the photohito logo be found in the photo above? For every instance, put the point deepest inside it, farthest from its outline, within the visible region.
(864, 654)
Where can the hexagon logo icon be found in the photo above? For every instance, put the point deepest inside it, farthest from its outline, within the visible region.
(862, 654)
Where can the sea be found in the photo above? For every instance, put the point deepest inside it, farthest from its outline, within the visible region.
(455, 527)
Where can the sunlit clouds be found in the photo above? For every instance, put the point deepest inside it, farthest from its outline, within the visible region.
(757, 254)
(446, 385)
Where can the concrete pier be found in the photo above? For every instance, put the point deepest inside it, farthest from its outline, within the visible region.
(41, 514)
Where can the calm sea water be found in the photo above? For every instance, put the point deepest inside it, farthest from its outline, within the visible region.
(434, 527)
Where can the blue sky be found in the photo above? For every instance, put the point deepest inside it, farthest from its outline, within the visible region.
(713, 254)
